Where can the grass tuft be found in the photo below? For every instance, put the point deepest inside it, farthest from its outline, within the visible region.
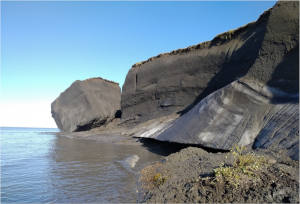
(152, 176)
(245, 167)
(158, 179)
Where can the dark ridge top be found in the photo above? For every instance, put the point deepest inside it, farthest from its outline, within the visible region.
(96, 78)
(232, 34)
(218, 40)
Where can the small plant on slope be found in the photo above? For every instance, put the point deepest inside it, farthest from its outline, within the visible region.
(245, 167)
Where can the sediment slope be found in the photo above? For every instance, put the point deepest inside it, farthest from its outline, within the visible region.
(86, 104)
(240, 113)
(265, 51)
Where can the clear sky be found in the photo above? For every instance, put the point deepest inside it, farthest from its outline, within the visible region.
(45, 46)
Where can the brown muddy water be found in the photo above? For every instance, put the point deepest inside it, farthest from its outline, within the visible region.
(37, 166)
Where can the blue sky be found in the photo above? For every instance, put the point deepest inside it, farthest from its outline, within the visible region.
(45, 46)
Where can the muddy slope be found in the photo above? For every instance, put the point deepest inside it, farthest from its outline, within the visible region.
(188, 176)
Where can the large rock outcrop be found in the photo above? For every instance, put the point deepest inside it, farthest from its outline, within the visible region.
(86, 104)
(266, 51)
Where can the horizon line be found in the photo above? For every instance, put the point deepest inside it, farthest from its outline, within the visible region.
(28, 127)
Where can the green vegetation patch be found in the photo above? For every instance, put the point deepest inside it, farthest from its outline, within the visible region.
(245, 167)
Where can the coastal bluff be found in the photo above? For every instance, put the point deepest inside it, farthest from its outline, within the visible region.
(86, 104)
(240, 88)
(265, 51)
(229, 106)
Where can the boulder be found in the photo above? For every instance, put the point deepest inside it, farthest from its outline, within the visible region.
(266, 51)
(242, 113)
(86, 104)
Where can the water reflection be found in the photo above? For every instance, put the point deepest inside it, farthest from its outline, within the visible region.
(87, 171)
(43, 168)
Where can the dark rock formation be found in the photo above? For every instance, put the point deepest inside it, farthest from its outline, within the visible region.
(266, 51)
(86, 104)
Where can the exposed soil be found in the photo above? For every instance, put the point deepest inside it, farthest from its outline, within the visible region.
(188, 176)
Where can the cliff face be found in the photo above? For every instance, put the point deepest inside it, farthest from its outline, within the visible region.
(86, 104)
(265, 51)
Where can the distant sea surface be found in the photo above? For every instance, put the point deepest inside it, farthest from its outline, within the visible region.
(37, 166)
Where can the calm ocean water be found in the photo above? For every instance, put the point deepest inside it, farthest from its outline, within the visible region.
(39, 167)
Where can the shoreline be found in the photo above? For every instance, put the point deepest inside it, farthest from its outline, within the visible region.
(187, 170)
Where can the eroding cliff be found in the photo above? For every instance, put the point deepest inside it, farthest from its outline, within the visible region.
(266, 51)
(243, 87)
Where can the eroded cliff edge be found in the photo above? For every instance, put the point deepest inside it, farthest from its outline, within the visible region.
(265, 51)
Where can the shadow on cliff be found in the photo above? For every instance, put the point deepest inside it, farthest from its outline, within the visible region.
(239, 62)
(161, 148)
(167, 148)
(286, 76)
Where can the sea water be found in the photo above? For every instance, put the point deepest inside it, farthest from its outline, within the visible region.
(38, 166)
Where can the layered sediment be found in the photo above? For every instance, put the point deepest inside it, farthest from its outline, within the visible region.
(265, 51)
(239, 114)
(252, 99)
